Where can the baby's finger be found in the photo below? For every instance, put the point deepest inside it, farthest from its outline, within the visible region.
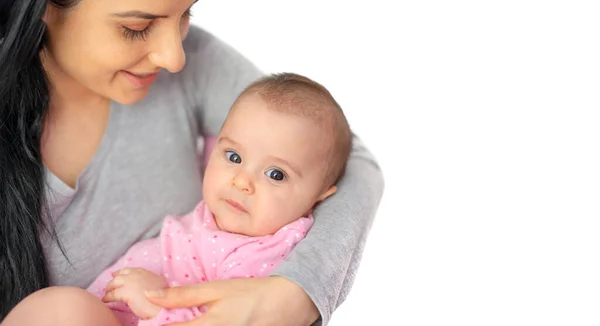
(124, 271)
(115, 283)
(112, 296)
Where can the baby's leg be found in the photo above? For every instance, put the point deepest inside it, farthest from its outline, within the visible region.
(61, 306)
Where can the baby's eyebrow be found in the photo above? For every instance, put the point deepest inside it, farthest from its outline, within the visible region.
(227, 139)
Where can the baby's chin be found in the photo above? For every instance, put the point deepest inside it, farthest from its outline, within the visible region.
(228, 227)
(219, 223)
(236, 228)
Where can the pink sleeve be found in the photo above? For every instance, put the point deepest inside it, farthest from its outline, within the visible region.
(98, 287)
(140, 255)
(209, 144)
(132, 258)
(177, 247)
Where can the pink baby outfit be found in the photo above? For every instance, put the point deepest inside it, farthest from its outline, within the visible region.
(192, 250)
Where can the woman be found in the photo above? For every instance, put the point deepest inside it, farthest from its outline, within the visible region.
(99, 117)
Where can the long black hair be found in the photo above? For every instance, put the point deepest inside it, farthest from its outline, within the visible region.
(24, 102)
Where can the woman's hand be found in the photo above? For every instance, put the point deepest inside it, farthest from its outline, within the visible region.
(271, 301)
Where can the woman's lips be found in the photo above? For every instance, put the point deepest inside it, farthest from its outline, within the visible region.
(236, 205)
(140, 80)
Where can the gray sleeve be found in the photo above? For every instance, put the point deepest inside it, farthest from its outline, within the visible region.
(325, 263)
(215, 74)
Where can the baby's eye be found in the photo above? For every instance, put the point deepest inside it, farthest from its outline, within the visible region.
(233, 157)
(275, 174)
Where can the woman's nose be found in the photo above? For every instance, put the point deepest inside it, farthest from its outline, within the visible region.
(168, 52)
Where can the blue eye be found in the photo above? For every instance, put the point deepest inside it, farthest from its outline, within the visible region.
(233, 157)
(275, 174)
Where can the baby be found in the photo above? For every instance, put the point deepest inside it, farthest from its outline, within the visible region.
(280, 152)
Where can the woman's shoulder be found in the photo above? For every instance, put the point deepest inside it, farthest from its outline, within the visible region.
(199, 39)
(209, 60)
(206, 53)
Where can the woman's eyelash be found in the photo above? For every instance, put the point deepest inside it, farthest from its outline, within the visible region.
(134, 35)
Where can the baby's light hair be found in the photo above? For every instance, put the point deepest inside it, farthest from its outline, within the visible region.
(298, 95)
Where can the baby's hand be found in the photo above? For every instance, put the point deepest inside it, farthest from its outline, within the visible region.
(129, 285)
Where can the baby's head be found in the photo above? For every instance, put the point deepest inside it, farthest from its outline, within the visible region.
(280, 152)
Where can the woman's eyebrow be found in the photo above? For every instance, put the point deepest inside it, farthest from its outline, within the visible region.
(142, 14)
(138, 14)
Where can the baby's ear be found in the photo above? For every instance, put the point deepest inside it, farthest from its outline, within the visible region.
(327, 193)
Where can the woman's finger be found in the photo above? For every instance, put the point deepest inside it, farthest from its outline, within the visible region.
(186, 296)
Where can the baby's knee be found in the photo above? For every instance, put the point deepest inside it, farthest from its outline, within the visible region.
(60, 293)
(60, 306)
(60, 298)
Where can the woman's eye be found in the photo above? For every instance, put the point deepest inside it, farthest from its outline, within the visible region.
(233, 157)
(135, 35)
(275, 174)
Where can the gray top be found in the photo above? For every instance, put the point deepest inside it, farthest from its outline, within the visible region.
(147, 166)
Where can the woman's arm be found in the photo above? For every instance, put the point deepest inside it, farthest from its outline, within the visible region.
(324, 264)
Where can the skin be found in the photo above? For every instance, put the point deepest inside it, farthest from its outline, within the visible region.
(91, 55)
(47, 307)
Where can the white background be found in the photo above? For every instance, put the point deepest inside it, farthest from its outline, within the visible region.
(484, 116)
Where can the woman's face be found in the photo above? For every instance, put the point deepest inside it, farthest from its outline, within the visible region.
(115, 48)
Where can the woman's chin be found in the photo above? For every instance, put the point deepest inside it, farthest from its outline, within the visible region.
(128, 97)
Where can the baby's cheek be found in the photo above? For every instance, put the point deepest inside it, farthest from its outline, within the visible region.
(272, 221)
(207, 184)
(215, 180)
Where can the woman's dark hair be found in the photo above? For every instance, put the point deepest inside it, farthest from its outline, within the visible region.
(24, 101)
